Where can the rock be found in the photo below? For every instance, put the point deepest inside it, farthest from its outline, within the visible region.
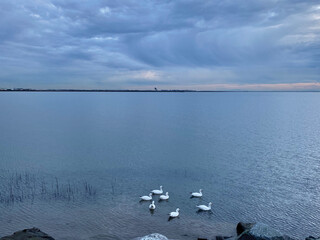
(30, 234)
(154, 236)
(219, 237)
(260, 231)
(312, 238)
(241, 227)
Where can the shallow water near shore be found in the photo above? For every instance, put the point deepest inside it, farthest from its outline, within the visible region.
(255, 155)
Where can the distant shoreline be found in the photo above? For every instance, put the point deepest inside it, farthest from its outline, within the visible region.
(154, 91)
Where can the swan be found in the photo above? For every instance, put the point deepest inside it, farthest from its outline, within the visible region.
(164, 197)
(158, 192)
(197, 194)
(174, 214)
(204, 207)
(152, 206)
(146, 198)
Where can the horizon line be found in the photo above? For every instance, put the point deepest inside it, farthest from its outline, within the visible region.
(139, 90)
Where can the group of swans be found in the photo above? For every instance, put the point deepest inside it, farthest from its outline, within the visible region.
(201, 207)
(152, 206)
(174, 214)
(156, 192)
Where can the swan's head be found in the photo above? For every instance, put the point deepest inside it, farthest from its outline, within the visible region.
(178, 209)
(167, 193)
(160, 187)
(200, 191)
(153, 202)
(150, 194)
(210, 203)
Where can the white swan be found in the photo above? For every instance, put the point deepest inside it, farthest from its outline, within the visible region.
(146, 198)
(158, 192)
(164, 197)
(174, 214)
(152, 206)
(197, 194)
(204, 207)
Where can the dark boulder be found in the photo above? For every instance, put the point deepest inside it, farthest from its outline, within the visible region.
(260, 231)
(219, 237)
(241, 227)
(30, 234)
(312, 238)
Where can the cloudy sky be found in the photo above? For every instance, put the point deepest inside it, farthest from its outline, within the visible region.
(141, 44)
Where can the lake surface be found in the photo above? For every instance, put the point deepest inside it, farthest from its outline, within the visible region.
(75, 164)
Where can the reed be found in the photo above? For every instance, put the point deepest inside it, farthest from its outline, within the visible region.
(19, 187)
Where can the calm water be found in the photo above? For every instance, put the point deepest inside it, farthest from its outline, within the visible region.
(256, 155)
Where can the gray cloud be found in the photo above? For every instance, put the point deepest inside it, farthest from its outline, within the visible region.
(140, 44)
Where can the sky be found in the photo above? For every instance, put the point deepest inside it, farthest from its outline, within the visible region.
(142, 44)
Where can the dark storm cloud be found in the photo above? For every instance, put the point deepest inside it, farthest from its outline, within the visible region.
(120, 44)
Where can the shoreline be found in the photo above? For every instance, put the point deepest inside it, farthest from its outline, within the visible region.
(244, 231)
(136, 90)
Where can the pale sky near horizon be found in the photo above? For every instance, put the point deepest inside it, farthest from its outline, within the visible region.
(182, 44)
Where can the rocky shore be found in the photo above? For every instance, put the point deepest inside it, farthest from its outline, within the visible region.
(30, 234)
(245, 231)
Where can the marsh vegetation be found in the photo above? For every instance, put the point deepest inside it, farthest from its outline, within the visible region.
(27, 186)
